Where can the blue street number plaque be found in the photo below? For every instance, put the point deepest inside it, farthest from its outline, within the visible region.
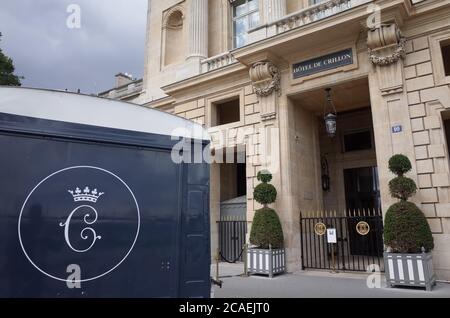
(397, 129)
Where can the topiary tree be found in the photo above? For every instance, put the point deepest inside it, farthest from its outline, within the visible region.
(406, 228)
(266, 228)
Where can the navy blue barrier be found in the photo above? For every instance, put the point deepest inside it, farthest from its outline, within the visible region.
(87, 211)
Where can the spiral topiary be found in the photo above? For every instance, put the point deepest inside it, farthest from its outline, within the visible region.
(406, 228)
(266, 228)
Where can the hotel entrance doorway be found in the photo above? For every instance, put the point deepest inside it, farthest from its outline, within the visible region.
(349, 202)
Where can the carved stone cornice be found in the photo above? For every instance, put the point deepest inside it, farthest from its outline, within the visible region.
(386, 45)
(266, 78)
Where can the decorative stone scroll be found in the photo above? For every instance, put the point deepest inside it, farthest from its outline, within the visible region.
(387, 38)
(265, 77)
(390, 59)
(386, 47)
(266, 81)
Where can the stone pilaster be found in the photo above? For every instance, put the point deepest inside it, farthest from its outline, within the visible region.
(198, 29)
(274, 10)
(386, 47)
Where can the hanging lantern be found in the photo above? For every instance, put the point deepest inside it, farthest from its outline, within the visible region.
(330, 115)
(330, 124)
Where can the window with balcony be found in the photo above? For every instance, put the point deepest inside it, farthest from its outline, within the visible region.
(245, 16)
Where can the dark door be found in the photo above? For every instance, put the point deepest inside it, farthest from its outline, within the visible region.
(362, 188)
(362, 193)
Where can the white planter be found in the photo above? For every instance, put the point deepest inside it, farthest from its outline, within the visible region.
(409, 270)
(266, 262)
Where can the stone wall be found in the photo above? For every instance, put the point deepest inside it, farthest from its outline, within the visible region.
(426, 101)
(244, 134)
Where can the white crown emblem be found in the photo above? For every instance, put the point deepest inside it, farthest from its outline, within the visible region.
(86, 195)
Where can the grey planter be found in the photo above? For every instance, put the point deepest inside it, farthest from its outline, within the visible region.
(266, 262)
(409, 270)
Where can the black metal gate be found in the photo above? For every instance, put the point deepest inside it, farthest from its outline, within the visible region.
(359, 241)
(232, 239)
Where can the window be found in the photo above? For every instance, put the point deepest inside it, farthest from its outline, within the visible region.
(446, 120)
(440, 55)
(225, 112)
(447, 131)
(357, 140)
(445, 49)
(245, 17)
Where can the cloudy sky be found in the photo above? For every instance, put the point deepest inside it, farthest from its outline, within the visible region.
(49, 54)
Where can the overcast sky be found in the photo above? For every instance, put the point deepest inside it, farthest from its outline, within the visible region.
(51, 55)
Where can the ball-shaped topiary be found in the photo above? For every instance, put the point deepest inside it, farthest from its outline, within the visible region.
(264, 176)
(406, 229)
(266, 229)
(402, 188)
(399, 165)
(265, 193)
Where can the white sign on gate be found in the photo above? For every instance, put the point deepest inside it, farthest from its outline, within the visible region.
(331, 236)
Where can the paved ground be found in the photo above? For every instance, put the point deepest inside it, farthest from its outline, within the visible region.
(310, 284)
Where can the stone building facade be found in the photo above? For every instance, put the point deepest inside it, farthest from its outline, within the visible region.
(254, 73)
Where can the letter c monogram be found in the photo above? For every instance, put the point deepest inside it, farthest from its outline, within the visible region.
(83, 233)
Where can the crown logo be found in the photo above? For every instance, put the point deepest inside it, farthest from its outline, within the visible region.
(85, 195)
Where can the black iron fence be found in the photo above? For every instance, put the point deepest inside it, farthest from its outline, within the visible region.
(232, 233)
(359, 240)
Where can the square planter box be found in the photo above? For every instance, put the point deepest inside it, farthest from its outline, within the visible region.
(409, 270)
(266, 262)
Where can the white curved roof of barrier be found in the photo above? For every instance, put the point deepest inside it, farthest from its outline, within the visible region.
(95, 111)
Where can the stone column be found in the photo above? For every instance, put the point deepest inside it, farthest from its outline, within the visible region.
(274, 10)
(198, 29)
